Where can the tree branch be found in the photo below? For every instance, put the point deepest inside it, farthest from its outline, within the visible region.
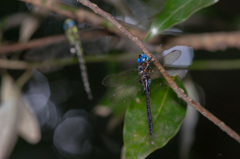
(19, 65)
(172, 84)
(32, 44)
(207, 41)
(85, 35)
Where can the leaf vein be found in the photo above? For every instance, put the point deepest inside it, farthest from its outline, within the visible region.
(173, 13)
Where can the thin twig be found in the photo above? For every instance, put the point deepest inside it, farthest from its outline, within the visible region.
(207, 41)
(24, 78)
(85, 35)
(172, 84)
(32, 44)
(9, 64)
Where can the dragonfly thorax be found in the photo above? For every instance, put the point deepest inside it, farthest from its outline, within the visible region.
(144, 74)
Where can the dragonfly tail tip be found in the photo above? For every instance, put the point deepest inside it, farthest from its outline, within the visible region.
(152, 142)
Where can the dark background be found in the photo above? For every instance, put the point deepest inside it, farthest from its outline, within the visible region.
(221, 90)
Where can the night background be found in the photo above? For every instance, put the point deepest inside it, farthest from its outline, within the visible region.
(71, 125)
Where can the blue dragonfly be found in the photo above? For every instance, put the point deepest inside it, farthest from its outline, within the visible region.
(130, 83)
(71, 32)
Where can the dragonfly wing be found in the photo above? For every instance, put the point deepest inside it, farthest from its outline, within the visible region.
(171, 57)
(172, 72)
(167, 60)
(127, 93)
(177, 72)
(155, 74)
(120, 79)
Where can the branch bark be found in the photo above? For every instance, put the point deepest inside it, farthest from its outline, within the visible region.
(85, 35)
(207, 41)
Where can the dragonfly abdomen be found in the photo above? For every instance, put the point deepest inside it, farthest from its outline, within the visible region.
(149, 113)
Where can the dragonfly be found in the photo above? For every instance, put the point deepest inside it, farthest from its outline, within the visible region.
(71, 31)
(132, 82)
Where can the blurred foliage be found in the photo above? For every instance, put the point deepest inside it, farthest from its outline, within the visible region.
(176, 12)
(105, 54)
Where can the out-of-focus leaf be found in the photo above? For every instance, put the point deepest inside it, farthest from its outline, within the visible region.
(30, 24)
(28, 27)
(15, 118)
(188, 128)
(28, 126)
(176, 12)
(8, 117)
(168, 112)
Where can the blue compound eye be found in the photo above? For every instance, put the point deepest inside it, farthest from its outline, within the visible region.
(142, 58)
(71, 23)
(68, 24)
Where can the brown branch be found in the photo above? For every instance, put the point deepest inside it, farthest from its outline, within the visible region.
(18, 65)
(22, 80)
(207, 41)
(32, 44)
(85, 35)
(172, 84)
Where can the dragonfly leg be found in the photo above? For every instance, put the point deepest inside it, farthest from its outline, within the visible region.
(151, 59)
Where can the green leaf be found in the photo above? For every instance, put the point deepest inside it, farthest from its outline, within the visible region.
(168, 112)
(176, 12)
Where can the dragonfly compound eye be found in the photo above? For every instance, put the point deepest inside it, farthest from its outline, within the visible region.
(68, 24)
(142, 58)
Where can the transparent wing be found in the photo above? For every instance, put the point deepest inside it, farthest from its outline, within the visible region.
(176, 72)
(120, 79)
(167, 60)
(171, 57)
(127, 93)
(127, 83)
(172, 72)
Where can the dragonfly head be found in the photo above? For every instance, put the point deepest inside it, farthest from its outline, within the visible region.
(142, 58)
(68, 24)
